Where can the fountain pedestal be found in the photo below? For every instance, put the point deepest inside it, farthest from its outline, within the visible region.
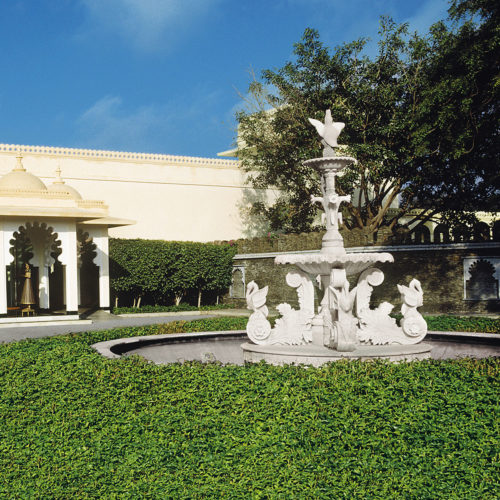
(344, 326)
(315, 355)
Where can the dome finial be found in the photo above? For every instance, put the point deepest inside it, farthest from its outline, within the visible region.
(60, 186)
(58, 175)
(19, 165)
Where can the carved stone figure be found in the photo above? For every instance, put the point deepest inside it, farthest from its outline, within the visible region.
(295, 326)
(331, 205)
(344, 327)
(412, 323)
(258, 327)
(376, 327)
(328, 131)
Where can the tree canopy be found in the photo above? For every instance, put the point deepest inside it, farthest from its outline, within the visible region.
(421, 119)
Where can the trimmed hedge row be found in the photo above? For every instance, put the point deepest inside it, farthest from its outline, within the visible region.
(203, 325)
(169, 271)
(462, 324)
(434, 323)
(179, 308)
(76, 425)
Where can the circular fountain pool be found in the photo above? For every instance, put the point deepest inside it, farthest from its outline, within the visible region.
(226, 347)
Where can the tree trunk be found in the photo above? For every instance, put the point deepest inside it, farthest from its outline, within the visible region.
(139, 302)
(199, 298)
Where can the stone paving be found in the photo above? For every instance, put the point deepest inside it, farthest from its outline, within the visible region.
(225, 351)
(101, 320)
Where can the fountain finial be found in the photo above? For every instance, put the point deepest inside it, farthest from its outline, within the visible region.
(328, 131)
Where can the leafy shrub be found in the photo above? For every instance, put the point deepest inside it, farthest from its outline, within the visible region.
(179, 308)
(203, 325)
(76, 425)
(166, 270)
(458, 324)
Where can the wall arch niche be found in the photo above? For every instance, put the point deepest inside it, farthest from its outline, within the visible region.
(441, 234)
(237, 289)
(37, 245)
(421, 235)
(481, 278)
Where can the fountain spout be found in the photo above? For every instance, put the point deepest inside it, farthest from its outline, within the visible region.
(329, 166)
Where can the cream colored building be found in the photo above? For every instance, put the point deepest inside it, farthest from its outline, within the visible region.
(53, 246)
(170, 197)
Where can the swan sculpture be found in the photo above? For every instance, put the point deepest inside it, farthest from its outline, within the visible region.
(256, 298)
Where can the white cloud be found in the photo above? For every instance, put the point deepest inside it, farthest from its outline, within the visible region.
(146, 24)
(106, 125)
(428, 13)
(179, 126)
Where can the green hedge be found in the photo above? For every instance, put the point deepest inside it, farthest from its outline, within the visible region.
(434, 323)
(76, 425)
(462, 324)
(169, 271)
(179, 308)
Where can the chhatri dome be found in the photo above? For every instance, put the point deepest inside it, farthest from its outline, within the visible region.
(52, 216)
(59, 186)
(20, 180)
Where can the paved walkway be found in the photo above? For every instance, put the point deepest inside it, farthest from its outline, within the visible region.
(100, 321)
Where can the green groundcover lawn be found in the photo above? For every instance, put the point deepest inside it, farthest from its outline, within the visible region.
(77, 425)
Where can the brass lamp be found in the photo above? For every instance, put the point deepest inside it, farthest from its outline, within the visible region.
(27, 297)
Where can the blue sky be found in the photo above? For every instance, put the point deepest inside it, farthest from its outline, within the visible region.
(159, 76)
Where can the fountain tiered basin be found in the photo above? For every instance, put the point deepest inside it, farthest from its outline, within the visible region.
(343, 325)
(322, 264)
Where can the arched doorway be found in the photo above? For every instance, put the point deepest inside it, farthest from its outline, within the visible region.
(37, 245)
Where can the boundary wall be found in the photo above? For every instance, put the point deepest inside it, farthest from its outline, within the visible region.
(174, 198)
(442, 269)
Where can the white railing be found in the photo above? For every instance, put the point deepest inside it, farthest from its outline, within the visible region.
(118, 155)
(91, 204)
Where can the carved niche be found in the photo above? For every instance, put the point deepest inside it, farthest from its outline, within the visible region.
(481, 278)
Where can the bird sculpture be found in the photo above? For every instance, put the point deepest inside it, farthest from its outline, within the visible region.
(256, 298)
(328, 131)
(412, 296)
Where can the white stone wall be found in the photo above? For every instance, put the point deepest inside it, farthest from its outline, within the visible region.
(170, 197)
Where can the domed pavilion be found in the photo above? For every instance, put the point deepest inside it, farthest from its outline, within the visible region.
(63, 239)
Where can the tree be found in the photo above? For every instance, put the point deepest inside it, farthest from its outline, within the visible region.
(421, 119)
(160, 271)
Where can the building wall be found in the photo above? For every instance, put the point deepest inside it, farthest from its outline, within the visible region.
(170, 197)
(439, 268)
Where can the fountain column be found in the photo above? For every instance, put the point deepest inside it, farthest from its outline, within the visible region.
(345, 325)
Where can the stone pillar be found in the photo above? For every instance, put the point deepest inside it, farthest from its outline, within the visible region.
(3, 274)
(7, 229)
(64, 283)
(100, 238)
(43, 286)
(71, 283)
(79, 270)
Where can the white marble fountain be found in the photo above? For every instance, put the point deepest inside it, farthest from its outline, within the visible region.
(344, 325)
